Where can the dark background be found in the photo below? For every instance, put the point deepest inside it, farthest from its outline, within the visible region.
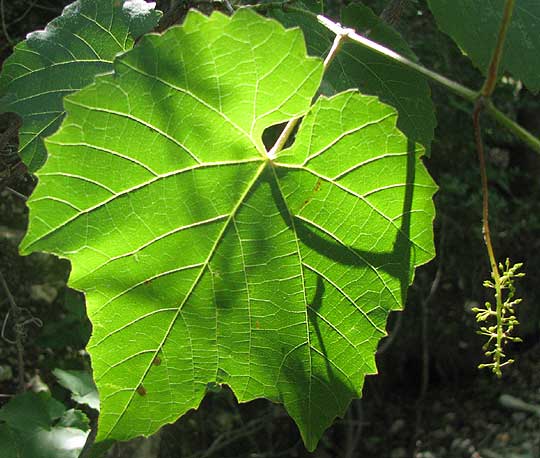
(429, 400)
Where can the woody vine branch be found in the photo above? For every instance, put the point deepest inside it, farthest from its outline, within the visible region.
(503, 275)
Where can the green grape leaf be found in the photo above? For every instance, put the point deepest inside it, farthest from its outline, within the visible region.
(203, 261)
(81, 384)
(358, 67)
(34, 425)
(63, 58)
(8, 444)
(474, 26)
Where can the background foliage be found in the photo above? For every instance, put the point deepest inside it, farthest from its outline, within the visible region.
(429, 401)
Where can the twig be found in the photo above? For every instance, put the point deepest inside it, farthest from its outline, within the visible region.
(4, 27)
(87, 450)
(425, 337)
(354, 428)
(16, 193)
(15, 311)
(48, 8)
(392, 11)
(511, 402)
(15, 171)
(23, 15)
(387, 343)
(424, 381)
(352, 35)
(228, 6)
(225, 439)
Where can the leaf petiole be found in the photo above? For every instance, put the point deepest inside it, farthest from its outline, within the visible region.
(289, 128)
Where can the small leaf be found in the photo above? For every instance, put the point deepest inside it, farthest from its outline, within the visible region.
(64, 57)
(474, 26)
(197, 251)
(81, 384)
(74, 418)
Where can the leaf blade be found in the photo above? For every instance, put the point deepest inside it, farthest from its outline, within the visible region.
(64, 57)
(188, 242)
(474, 27)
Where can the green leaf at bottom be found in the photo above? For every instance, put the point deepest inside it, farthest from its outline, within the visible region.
(205, 262)
(34, 425)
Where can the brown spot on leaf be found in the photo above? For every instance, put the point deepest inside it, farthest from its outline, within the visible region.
(141, 390)
(157, 361)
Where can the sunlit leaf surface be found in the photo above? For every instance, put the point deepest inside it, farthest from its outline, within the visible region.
(205, 262)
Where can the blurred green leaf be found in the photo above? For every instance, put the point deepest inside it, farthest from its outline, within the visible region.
(34, 425)
(81, 384)
(474, 26)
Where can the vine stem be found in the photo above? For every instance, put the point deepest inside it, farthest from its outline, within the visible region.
(457, 88)
(352, 35)
(290, 126)
(493, 70)
(486, 230)
(485, 193)
(487, 90)
(521, 133)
